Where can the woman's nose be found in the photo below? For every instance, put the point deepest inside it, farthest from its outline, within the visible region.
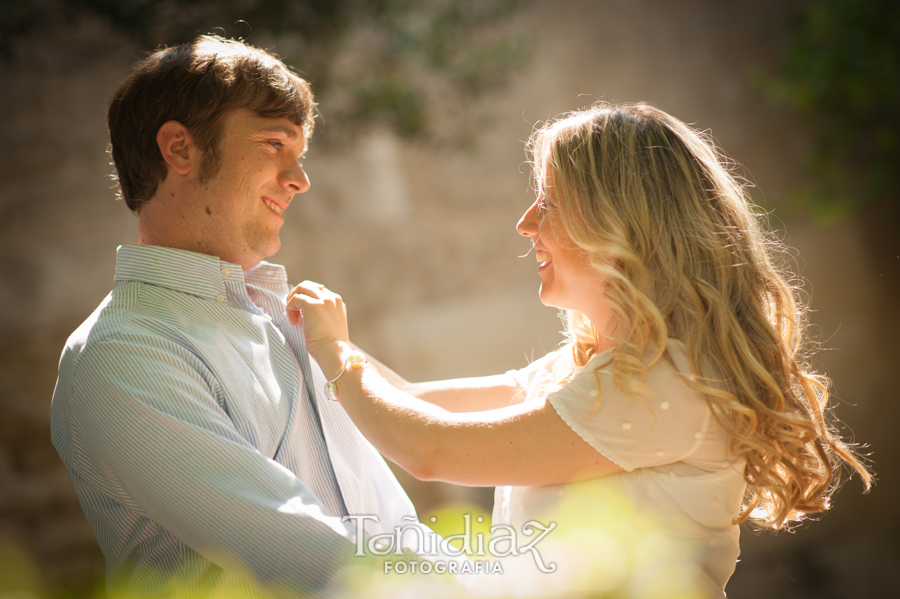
(528, 224)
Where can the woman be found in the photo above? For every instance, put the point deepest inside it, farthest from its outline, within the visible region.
(683, 389)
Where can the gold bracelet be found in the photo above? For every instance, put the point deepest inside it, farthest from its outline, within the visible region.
(355, 359)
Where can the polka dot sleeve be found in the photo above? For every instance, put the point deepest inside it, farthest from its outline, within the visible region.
(635, 433)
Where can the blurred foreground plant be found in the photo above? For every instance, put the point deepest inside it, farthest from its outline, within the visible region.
(590, 544)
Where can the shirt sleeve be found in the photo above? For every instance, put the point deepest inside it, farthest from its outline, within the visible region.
(147, 430)
(644, 432)
(536, 372)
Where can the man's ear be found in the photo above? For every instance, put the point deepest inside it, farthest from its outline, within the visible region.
(177, 147)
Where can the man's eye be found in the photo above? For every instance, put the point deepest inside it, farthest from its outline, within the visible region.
(276, 144)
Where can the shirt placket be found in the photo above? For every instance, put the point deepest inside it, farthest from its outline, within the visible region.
(265, 304)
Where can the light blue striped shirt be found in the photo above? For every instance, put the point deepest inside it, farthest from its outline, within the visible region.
(183, 414)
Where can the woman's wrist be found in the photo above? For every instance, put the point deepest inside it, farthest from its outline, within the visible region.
(345, 358)
(332, 358)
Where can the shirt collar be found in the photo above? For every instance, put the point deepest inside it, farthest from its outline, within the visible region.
(190, 272)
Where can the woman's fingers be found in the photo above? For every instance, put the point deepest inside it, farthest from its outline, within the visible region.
(307, 293)
(311, 289)
(293, 310)
(320, 311)
(294, 305)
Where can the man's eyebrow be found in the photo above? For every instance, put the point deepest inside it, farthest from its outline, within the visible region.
(291, 133)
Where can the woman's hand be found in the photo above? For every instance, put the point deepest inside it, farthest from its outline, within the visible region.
(323, 316)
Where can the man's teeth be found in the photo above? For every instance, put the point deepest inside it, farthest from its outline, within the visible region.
(278, 209)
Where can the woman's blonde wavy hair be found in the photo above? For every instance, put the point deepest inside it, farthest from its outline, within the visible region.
(685, 256)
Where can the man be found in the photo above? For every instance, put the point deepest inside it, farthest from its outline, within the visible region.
(193, 426)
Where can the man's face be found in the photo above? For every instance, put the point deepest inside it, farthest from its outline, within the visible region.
(237, 210)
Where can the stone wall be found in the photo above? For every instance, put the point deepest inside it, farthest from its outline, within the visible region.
(420, 242)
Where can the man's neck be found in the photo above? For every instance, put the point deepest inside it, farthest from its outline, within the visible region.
(156, 229)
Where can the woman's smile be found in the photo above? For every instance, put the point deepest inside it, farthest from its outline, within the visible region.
(543, 257)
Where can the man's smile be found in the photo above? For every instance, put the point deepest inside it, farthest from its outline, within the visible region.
(273, 206)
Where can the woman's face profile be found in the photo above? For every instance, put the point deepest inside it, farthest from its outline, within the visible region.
(568, 281)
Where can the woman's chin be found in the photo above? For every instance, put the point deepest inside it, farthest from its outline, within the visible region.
(548, 300)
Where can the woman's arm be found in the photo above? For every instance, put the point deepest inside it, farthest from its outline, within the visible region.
(473, 394)
(525, 444)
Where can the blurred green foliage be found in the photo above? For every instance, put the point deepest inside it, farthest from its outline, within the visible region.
(463, 525)
(841, 73)
(394, 63)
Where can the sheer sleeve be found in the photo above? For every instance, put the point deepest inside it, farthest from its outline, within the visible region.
(666, 427)
(534, 377)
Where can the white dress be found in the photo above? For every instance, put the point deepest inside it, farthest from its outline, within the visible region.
(666, 521)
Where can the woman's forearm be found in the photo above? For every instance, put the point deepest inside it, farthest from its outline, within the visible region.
(522, 444)
(525, 443)
(403, 428)
(472, 394)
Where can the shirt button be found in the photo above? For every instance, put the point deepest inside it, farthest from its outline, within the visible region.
(220, 298)
(626, 425)
(664, 405)
(226, 273)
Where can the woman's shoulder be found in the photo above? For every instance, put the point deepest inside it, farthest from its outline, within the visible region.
(650, 418)
(674, 359)
(542, 368)
(557, 368)
(662, 387)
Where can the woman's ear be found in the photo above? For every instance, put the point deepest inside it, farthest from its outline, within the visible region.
(176, 147)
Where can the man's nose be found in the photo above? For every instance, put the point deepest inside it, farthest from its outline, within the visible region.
(528, 224)
(295, 180)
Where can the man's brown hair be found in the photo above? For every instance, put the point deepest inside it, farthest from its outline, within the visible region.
(196, 84)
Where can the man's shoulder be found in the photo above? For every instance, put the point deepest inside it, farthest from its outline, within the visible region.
(89, 342)
(103, 321)
(116, 316)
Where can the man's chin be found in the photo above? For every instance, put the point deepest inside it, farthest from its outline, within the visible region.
(262, 250)
(271, 249)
